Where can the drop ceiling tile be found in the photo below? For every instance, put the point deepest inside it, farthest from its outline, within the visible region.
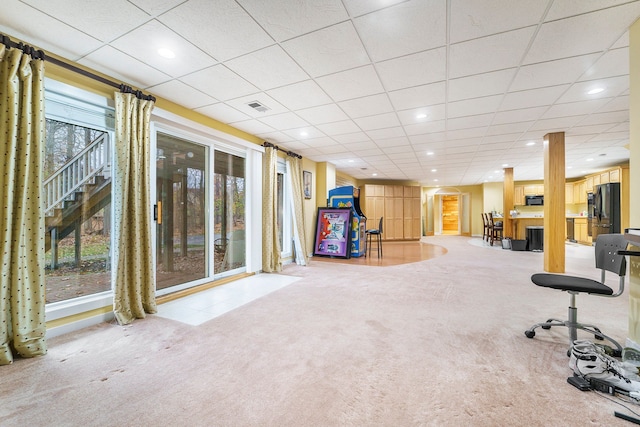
(514, 116)
(552, 73)
(134, 72)
(156, 7)
(413, 70)
(24, 22)
(221, 28)
(356, 139)
(470, 107)
(182, 94)
(567, 37)
(268, 68)
(339, 128)
(556, 124)
(568, 8)
(613, 63)
(574, 108)
(305, 134)
(219, 82)
(300, 95)
(253, 126)
(415, 115)
(479, 85)
(613, 117)
(102, 20)
(144, 42)
(380, 121)
(323, 114)
(284, 121)
(351, 84)
(421, 96)
(532, 98)
(367, 106)
(508, 128)
(396, 145)
(612, 88)
(423, 27)
(360, 7)
(222, 113)
(491, 53)
(285, 19)
(330, 50)
(276, 137)
(470, 20)
(425, 127)
(386, 133)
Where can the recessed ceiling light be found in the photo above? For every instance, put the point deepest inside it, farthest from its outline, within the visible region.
(505, 165)
(166, 53)
(429, 153)
(374, 174)
(595, 90)
(421, 116)
(434, 170)
(350, 161)
(303, 133)
(530, 143)
(569, 167)
(436, 180)
(589, 160)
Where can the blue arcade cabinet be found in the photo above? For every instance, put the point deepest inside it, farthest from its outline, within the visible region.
(349, 196)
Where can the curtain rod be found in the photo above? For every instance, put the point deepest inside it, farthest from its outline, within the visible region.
(289, 153)
(39, 54)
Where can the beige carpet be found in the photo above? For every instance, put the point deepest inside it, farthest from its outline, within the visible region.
(434, 343)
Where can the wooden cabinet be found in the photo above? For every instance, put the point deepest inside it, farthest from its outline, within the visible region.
(569, 189)
(604, 177)
(614, 175)
(534, 189)
(400, 206)
(596, 180)
(589, 184)
(581, 234)
(518, 195)
(580, 192)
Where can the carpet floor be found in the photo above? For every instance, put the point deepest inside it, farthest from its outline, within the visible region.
(436, 342)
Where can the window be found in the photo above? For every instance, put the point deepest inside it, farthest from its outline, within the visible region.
(77, 194)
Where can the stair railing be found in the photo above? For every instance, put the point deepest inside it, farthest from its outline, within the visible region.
(76, 172)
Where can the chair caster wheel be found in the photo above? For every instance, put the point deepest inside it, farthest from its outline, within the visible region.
(545, 327)
(530, 334)
(599, 337)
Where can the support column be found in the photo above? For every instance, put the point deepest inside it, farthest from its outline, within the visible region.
(634, 176)
(507, 205)
(554, 208)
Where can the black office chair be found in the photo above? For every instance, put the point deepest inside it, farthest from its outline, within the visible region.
(375, 232)
(607, 259)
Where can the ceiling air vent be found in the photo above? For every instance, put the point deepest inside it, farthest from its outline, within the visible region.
(258, 106)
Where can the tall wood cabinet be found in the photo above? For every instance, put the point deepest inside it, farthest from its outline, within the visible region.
(398, 205)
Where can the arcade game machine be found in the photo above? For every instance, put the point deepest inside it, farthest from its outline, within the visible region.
(349, 196)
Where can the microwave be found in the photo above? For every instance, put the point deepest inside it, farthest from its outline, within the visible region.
(534, 200)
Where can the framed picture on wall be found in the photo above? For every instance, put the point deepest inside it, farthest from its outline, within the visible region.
(333, 233)
(306, 183)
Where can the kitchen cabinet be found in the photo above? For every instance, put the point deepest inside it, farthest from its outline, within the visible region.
(518, 195)
(580, 192)
(604, 177)
(534, 190)
(580, 230)
(568, 193)
(614, 175)
(589, 184)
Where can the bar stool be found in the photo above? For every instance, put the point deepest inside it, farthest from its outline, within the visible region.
(375, 232)
(495, 229)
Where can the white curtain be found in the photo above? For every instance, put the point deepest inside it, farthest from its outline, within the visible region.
(294, 172)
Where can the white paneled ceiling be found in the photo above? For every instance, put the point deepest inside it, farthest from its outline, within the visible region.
(442, 92)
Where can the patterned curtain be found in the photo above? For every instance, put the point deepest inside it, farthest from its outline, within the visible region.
(271, 258)
(294, 169)
(134, 293)
(22, 281)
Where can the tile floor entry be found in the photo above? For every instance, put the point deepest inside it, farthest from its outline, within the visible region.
(206, 305)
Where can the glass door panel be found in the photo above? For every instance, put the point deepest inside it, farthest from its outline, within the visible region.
(181, 245)
(229, 212)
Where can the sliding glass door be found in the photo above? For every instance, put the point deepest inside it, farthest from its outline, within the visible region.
(181, 206)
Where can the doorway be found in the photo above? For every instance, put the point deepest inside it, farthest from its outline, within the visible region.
(450, 215)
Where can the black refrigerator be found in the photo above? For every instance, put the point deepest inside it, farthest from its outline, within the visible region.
(606, 209)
